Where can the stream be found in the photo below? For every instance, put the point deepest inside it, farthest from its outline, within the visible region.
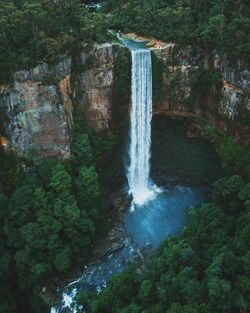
(145, 228)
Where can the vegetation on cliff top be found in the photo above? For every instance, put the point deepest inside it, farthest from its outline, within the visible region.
(205, 23)
(34, 32)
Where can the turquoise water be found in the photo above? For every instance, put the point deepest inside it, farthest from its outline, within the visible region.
(149, 224)
(131, 44)
(146, 228)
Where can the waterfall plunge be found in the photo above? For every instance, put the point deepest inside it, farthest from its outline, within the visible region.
(140, 127)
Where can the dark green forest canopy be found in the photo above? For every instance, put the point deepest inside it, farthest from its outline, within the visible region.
(37, 31)
(51, 213)
(221, 24)
(207, 269)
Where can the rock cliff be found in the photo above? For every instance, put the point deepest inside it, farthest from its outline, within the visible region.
(93, 83)
(229, 109)
(36, 112)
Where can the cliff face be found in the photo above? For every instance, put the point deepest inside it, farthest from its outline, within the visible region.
(229, 111)
(93, 84)
(36, 112)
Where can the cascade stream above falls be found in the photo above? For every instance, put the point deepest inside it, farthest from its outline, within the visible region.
(154, 212)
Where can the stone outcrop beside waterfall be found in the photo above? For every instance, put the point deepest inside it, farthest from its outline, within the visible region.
(93, 85)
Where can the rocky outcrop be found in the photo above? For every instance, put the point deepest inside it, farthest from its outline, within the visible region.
(179, 65)
(236, 73)
(233, 97)
(34, 111)
(93, 85)
(225, 112)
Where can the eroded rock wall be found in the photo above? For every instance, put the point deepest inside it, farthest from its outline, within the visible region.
(228, 112)
(93, 84)
(36, 112)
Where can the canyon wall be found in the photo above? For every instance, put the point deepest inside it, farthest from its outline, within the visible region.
(93, 83)
(226, 105)
(36, 111)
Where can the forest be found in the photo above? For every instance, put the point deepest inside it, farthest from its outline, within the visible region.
(204, 271)
(33, 31)
(53, 211)
(221, 25)
(50, 211)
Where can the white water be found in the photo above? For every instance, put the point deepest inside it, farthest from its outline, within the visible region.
(67, 302)
(138, 174)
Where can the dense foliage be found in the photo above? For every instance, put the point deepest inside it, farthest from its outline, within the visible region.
(206, 23)
(51, 213)
(235, 158)
(206, 270)
(33, 32)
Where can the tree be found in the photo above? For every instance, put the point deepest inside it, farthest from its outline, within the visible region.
(146, 292)
(34, 32)
(226, 192)
(190, 308)
(244, 195)
(82, 154)
(88, 187)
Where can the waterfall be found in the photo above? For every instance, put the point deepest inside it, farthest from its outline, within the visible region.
(140, 127)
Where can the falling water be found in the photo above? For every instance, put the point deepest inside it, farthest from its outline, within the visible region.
(140, 123)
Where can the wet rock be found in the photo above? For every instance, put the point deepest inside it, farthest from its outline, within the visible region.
(148, 246)
(140, 254)
(113, 242)
(49, 296)
(119, 204)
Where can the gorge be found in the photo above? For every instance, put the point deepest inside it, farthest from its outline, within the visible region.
(124, 156)
(154, 213)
